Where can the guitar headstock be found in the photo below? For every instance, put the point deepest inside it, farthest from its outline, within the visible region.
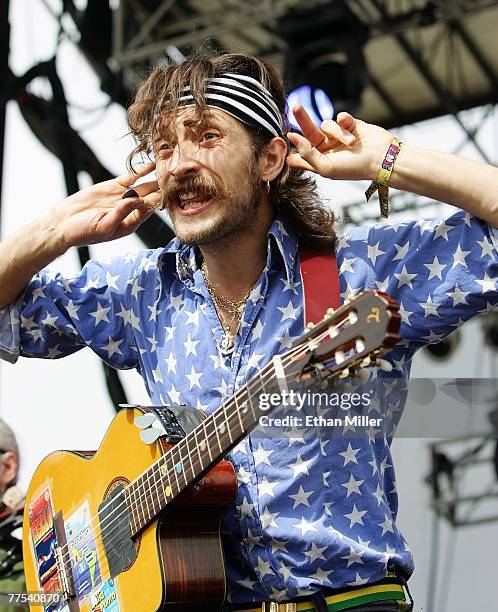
(345, 340)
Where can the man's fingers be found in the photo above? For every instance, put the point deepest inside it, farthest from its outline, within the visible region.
(108, 222)
(144, 189)
(306, 150)
(126, 180)
(132, 222)
(153, 199)
(346, 121)
(336, 131)
(294, 160)
(310, 131)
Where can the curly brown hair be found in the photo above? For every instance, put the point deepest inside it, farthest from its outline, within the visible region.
(293, 192)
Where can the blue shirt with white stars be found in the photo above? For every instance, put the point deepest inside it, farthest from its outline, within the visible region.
(311, 512)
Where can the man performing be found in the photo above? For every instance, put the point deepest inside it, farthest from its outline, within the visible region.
(314, 519)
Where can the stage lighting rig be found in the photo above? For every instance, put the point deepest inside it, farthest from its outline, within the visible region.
(324, 64)
(459, 492)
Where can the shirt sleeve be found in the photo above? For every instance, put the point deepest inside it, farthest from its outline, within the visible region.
(57, 316)
(441, 272)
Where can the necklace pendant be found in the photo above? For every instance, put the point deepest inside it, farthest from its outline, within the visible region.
(227, 342)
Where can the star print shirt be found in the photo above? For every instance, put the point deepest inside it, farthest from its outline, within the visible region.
(311, 511)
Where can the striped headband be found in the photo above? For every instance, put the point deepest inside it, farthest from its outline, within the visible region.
(241, 97)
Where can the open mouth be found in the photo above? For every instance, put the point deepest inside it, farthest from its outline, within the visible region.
(191, 202)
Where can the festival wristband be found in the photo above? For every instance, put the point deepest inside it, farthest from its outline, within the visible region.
(381, 183)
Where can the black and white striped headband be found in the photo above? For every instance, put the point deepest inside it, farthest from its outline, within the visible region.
(241, 97)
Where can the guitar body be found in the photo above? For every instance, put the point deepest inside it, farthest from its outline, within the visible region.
(179, 560)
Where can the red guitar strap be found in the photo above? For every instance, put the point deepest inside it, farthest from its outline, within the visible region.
(320, 280)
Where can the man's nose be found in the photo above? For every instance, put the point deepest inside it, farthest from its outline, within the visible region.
(184, 160)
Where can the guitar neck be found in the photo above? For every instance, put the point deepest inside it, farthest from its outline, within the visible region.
(367, 326)
(199, 450)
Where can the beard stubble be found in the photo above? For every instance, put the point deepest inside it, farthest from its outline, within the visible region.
(234, 214)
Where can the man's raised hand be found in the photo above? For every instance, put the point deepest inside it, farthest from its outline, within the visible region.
(100, 214)
(347, 149)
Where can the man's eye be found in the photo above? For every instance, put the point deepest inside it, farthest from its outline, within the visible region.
(164, 148)
(209, 136)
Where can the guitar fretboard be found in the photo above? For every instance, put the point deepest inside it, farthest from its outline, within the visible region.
(199, 450)
(367, 326)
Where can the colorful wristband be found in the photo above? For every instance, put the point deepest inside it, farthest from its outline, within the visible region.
(381, 183)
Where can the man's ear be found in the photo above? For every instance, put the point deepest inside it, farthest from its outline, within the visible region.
(8, 471)
(272, 159)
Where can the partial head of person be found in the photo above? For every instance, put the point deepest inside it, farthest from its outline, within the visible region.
(9, 457)
(216, 127)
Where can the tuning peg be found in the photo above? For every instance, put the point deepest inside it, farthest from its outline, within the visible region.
(329, 313)
(383, 364)
(344, 373)
(362, 376)
(340, 357)
(364, 363)
(352, 317)
(310, 325)
(359, 345)
(333, 332)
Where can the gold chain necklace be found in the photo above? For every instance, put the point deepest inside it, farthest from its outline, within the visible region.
(221, 302)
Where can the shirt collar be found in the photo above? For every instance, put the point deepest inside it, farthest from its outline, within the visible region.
(282, 243)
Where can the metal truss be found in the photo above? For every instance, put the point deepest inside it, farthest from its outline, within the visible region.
(143, 35)
(452, 472)
(153, 32)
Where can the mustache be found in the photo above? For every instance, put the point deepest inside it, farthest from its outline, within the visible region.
(207, 187)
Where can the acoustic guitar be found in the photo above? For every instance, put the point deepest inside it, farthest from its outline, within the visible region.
(135, 526)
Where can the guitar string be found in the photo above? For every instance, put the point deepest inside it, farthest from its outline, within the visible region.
(233, 414)
(287, 356)
(99, 545)
(100, 526)
(170, 454)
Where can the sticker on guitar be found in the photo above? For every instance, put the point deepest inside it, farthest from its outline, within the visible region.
(82, 551)
(44, 541)
(105, 598)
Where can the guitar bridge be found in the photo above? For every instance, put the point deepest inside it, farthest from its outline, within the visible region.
(61, 570)
(63, 565)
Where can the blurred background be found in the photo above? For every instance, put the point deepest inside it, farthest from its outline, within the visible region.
(425, 69)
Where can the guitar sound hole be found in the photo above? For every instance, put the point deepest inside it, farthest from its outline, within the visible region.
(137, 540)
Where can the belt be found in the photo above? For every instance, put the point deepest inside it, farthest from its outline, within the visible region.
(389, 589)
